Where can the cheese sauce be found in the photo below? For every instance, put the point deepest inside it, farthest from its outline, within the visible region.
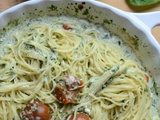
(77, 26)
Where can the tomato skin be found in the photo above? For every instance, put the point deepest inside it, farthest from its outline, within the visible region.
(36, 110)
(73, 83)
(66, 27)
(147, 78)
(67, 89)
(80, 116)
(64, 96)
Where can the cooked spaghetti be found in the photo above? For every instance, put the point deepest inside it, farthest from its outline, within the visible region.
(44, 53)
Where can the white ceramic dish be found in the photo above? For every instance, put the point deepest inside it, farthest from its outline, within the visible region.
(137, 26)
(133, 27)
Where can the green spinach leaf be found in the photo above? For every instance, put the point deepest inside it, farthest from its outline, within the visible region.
(142, 2)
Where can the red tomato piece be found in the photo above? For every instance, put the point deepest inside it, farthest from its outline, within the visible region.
(36, 111)
(147, 78)
(67, 89)
(73, 83)
(80, 116)
(64, 96)
(66, 27)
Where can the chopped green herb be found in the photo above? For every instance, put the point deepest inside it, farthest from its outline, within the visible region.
(119, 43)
(155, 87)
(52, 8)
(122, 60)
(53, 49)
(124, 29)
(80, 6)
(85, 12)
(115, 68)
(108, 21)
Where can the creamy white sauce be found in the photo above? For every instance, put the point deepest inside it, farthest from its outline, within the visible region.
(102, 34)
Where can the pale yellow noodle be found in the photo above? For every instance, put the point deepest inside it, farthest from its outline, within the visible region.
(43, 54)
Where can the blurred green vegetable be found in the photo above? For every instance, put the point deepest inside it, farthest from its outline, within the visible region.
(142, 2)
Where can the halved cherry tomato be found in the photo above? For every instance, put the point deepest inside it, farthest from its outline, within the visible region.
(67, 90)
(36, 111)
(147, 78)
(80, 116)
(66, 27)
(64, 96)
(73, 83)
